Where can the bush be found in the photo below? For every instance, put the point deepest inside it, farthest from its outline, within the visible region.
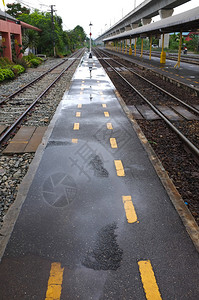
(18, 69)
(35, 62)
(7, 73)
(1, 75)
(22, 62)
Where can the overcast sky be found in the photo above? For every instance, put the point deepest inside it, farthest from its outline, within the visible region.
(102, 14)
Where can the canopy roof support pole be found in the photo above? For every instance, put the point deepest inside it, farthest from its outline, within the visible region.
(150, 47)
(130, 49)
(135, 46)
(142, 43)
(179, 52)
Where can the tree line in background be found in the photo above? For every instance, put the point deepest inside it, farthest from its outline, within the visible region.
(65, 41)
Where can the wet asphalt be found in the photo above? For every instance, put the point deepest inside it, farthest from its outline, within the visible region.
(74, 213)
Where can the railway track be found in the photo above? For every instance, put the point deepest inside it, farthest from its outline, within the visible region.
(178, 153)
(20, 103)
(151, 101)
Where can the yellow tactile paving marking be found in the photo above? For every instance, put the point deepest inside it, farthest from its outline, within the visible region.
(149, 281)
(83, 81)
(79, 105)
(78, 114)
(106, 114)
(81, 93)
(74, 141)
(129, 209)
(55, 282)
(76, 126)
(109, 126)
(113, 143)
(101, 93)
(104, 105)
(119, 168)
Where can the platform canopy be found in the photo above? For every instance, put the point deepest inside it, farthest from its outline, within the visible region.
(186, 21)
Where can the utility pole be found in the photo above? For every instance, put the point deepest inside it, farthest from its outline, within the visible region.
(53, 28)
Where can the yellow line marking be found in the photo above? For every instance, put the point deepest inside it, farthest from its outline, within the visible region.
(83, 81)
(182, 76)
(102, 97)
(98, 81)
(148, 280)
(106, 114)
(196, 82)
(82, 88)
(119, 168)
(74, 141)
(101, 93)
(81, 93)
(188, 79)
(76, 126)
(79, 105)
(176, 75)
(129, 209)
(78, 114)
(113, 143)
(19, 142)
(55, 282)
(104, 105)
(109, 126)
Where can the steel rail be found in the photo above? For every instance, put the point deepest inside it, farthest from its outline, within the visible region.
(18, 121)
(193, 109)
(191, 146)
(33, 81)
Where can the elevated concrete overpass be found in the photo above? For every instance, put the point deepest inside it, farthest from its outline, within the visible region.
(187, 21)
(142, 14)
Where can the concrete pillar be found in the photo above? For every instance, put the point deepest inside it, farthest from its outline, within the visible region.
(145, 21)
(165, 13)
(6, 41)
(18, 41)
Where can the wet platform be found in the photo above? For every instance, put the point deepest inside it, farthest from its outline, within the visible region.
(97, 222)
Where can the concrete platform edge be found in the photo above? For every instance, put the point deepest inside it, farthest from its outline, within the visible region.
(13, 212)
(181, 208)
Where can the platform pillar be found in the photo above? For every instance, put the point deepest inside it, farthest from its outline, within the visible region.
(6, 42)
(150, 48)
(130, 49)
(163, 54)
(142, 43)
(126, 47)
(179, 52)
(135, 46)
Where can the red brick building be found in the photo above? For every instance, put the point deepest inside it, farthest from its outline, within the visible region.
(11, 32)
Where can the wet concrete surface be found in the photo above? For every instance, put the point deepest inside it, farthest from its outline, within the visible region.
(73, 213)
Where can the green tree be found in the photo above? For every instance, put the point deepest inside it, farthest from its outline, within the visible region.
(15, 9)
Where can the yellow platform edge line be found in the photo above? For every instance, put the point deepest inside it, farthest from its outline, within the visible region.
(74, 141)
(76, 126)
(78, 114)
(106, 113)
(113, 143)
(55, 282)
(79, 105)
(104, 105)
(119, 168)
(149, 281)
(129, 209)
(109, 126)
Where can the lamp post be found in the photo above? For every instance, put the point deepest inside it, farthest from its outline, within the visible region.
(90, 54)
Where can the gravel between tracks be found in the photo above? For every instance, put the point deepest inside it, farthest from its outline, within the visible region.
(13, 168)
